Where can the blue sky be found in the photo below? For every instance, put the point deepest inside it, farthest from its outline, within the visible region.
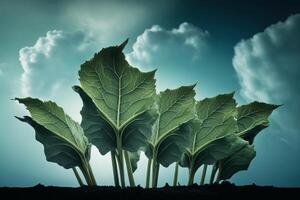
(252, 48)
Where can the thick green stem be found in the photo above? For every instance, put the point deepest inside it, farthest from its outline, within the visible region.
(191, 175)
(77, 176)
(86, 175)
(153, 171)
(115, 169)
(175, 174)
(155, 168)
(148, 173)
(156, 174)
(219, 172)
(87, 172)
(213, 173)
(121, 163)
(203, 175)
(91, 173)
(129, 169)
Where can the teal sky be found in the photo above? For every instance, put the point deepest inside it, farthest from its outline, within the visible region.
(252, 48)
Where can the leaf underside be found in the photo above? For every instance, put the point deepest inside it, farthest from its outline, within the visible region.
(63, 139)
(238, 161)
(56, 150)
(49, 115)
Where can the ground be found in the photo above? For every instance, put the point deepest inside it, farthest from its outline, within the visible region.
(225, 190)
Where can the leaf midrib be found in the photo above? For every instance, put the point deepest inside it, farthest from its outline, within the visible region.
(254, 122)
(210, 141)
(203, 121)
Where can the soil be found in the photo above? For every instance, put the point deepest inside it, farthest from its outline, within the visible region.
(225, 190)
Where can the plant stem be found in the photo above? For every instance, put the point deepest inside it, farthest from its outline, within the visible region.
(129, 169)
(203, 175)
(121, 163)
(115, 169)
(219, 172)
(77, 176)
(87, 172)
(213, 173)
(154, 171)
(91, 173)
(191, 175)
(175, 174)
(86, 175)
(148, 173)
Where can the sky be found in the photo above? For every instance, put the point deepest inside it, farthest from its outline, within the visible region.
(250, 47)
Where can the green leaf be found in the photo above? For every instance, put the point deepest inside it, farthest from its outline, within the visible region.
(100, 133)
(218, 149)
(252, 118)
(134, 158)
(119, 91)
(213, 132)
(172, 147)
(239, 160)
(97, 130)
(175, 109)
(63, 139)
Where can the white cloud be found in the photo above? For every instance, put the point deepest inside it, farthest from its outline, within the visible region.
(182, 48)
(156, 43)
(1, 71)
(52, 62)
(268, 68)
(110, 20)
(50, 67)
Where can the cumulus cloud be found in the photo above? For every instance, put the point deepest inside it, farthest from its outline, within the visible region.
(1, 68)
(156, 44)
(52, 62)
(268, 68)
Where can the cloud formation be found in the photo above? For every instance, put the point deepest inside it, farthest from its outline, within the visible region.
(99, 18)
(156, 43)
(1, 68)
(52, 62)
(268, 66)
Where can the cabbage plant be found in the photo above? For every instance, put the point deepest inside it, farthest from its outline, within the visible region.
(123, 114)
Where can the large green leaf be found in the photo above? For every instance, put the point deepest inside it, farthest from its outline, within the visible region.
(213, 132)
(119, 91)
(252, 118)
(97, 130)
(216, 150)
(239, 160)
(63, 139)
(172, 147)
(100, 133)
(169, 138)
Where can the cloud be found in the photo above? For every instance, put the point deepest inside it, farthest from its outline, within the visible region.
(181, 48)
(268, 68)
(1, 68)
(156, 42)
(52, 62)
(110, 20)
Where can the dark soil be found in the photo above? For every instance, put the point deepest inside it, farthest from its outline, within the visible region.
(221, 191)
